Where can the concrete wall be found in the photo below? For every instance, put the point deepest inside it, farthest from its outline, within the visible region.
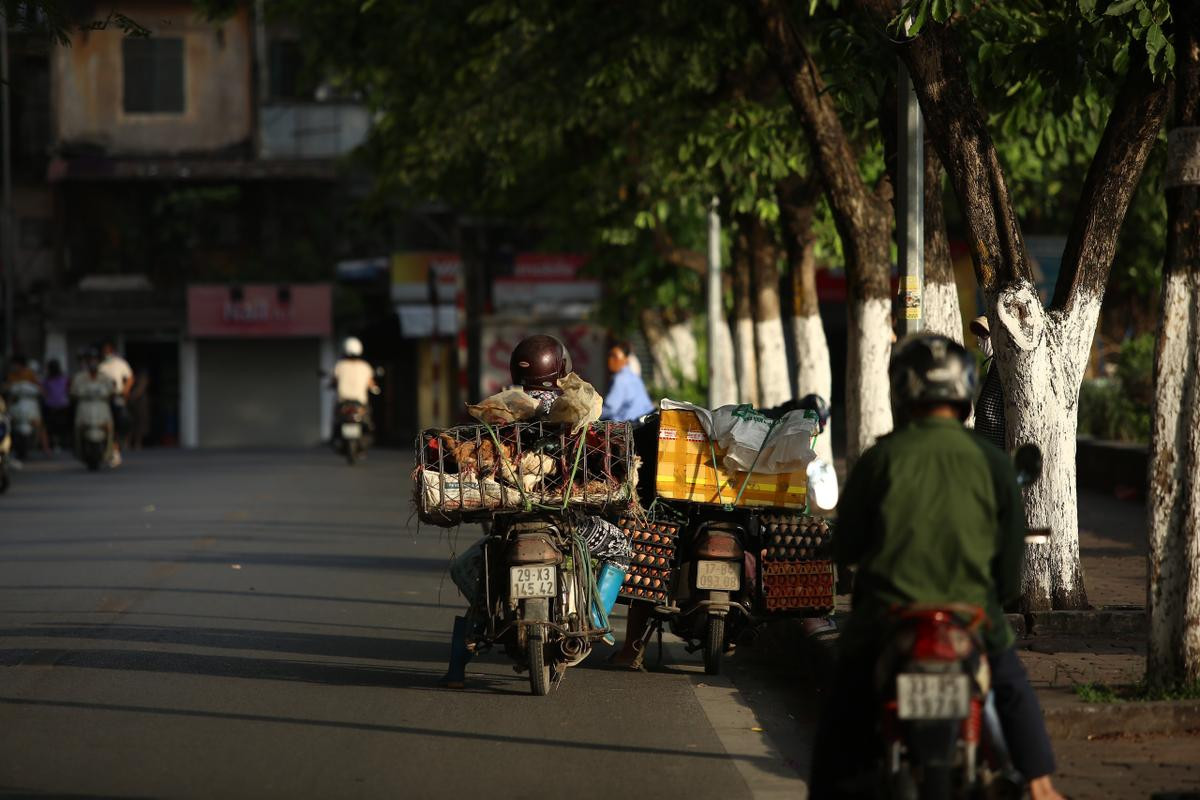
(87, 86)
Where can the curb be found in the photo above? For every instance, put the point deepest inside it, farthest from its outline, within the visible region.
(1090, 720)
(1106, 622)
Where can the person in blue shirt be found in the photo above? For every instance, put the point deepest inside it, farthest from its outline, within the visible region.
(627, 398)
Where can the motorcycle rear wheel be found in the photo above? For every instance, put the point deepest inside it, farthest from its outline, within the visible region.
(714, 645)
(540, 678)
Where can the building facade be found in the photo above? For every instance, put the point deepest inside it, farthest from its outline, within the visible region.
(197, 156)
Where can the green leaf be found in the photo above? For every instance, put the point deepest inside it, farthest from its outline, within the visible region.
(1120, 7)
(1155, 41)
(1087, 8)
(1121, 60)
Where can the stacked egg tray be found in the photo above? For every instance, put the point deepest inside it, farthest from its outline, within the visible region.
(797, 574)
(652, 565)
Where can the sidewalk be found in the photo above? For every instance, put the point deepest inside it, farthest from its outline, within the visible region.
(1118, 764)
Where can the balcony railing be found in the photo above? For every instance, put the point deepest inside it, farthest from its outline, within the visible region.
(311, 130)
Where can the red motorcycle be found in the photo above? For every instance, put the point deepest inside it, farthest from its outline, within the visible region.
(941, 738)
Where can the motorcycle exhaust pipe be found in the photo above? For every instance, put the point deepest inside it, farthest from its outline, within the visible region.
(574, 650)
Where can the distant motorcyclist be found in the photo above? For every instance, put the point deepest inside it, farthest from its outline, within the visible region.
(353, 377)
(930, 514)
(93, 393)
(121, 374)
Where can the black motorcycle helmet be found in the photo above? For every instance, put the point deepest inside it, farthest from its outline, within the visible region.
(538, 362)
(818, 405)
(931, 369)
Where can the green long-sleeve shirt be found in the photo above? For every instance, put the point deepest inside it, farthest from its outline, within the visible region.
(930, 514)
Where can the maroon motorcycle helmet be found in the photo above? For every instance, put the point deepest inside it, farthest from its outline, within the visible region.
(538, 362)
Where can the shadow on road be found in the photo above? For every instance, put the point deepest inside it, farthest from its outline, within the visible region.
(275, 595)
(506, 739)
(315, 644)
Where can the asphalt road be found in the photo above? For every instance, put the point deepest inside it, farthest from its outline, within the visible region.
(268, 625)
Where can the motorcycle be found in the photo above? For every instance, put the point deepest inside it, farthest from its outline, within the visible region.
(352, 425)
(351, 431)
(537, 594)
(5, 446)
(941, 734)
(743, 567)
(93, 425)
(25, 414)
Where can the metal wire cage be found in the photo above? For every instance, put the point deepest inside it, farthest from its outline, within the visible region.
(472, 472)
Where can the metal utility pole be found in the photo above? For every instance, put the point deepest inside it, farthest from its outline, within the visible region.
(716, 304)
(910, 203)
(7, 250)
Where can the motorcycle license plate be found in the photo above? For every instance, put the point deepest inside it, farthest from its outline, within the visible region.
(532, 582)
(351, 430)
(719, 575)
(920, 696)
(95, 435)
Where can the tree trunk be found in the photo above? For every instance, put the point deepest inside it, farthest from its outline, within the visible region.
(1173, 594)
(774, 383)
(814, 374)
(863, 220)
(1041, 353)
(662, 350)
(1042, 359)
(942, 313)
(724, 379)
(745, 353)
(685, 349)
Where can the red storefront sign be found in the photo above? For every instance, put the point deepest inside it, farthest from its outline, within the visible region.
(260, 310)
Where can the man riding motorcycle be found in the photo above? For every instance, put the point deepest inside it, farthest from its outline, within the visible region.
(536, 365)
(353, 378)
(930, 514)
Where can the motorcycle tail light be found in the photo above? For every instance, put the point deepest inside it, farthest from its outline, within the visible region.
(938, 639)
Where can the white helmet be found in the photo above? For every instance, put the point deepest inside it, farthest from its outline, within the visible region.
(352, 347)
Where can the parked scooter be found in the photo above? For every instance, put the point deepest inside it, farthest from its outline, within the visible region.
(25, 412)
(941, 735)
(5, 446)
(93, 424)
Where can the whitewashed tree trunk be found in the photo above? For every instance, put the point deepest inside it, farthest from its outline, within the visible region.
(723, 380)
(685, 349)
(744, 346)
(1043, 356)
(942, 314)
(868, 396)
(1173, 592)
(1173, 597)
(813, 373)
(774, 383)
(662, 350)
(746, 357)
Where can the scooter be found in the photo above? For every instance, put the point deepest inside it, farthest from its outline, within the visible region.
(538, 594)
(351, 431)
(941, 735)
(93, 426)
(26, 414)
